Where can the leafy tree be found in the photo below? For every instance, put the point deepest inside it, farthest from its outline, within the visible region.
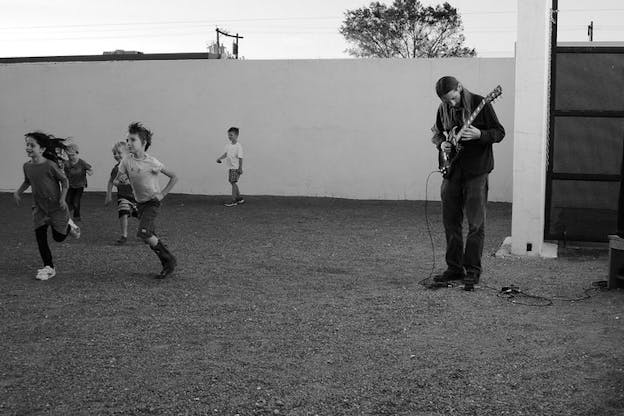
(221, 50)
(406, 29)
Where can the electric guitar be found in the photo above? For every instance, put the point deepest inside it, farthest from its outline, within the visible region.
(446, 161)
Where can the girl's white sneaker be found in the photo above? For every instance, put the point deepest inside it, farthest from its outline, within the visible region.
(46, 273)
(74, 230)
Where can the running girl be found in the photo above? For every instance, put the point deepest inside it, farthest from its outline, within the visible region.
(49, 189)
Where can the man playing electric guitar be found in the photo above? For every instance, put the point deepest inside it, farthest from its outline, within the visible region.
(465, 183)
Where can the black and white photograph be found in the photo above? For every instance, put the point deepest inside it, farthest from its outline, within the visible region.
(312, 208)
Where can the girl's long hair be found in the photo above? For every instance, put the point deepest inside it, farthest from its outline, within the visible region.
(49, 143)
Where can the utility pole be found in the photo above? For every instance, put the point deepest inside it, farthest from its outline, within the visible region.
(234, 45)
(590, 31)
(218, 45)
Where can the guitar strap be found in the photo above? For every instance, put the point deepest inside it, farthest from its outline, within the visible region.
(448, 121)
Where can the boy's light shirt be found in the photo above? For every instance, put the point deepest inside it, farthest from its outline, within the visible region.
(233, 152)
(143, 175)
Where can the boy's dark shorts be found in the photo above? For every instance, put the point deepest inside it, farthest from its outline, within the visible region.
(233, 176)
(148, 211)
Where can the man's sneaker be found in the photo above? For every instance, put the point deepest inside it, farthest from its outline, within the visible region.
(448, 276)
(74, 230)
(230, 204)
(46, 273)
(470, 281)
(240, 201)
(122, 240)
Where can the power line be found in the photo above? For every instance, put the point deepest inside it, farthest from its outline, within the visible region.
(323, 29)
(589, 10)
(260, 19)
(299, 18)
(158, 35)
(206, 22)
(249, 32)
(187, 23)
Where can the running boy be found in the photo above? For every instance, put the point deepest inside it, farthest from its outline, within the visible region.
(142, 171)
(126, 205)
(234, 163)
(76, 171)
(49, 189)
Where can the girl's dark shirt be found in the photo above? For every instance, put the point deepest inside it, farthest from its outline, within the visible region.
(46, 180)
(77, 173)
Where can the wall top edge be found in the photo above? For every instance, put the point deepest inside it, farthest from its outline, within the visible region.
(590, 47)
(205, 56)
(96, 58)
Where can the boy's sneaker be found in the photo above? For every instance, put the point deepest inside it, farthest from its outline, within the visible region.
(122, 240)
(46, 273)
(74, 230)
(230, 204)
(240, 201)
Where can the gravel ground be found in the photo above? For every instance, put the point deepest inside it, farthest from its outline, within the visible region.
(299, 306)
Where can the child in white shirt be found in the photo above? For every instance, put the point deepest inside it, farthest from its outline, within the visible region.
(234, 163)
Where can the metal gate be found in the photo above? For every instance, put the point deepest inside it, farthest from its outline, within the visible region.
(585, 143)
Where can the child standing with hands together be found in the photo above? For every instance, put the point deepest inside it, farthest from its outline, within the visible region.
(49, 189)
(142, 171)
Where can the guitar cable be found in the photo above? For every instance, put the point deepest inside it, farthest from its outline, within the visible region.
(428, 225)
(512, 294)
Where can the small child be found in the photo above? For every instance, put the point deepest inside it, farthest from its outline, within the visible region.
(49, 189)
(76, 171)
(61, 156)
(126, 205)
(234, 163)
(142, 171)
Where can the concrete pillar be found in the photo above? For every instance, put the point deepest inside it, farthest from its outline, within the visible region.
(531, 128)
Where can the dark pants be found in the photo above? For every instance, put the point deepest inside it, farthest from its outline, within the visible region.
(42, 241)
(464, 195)
(73, 200)
(147, 212)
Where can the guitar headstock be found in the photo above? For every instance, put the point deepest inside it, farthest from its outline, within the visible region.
(494, 94)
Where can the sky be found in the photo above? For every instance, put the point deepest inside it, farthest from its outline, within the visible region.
(271, 29)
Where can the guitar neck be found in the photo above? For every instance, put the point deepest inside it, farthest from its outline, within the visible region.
(474, 114)
(468, 122)
(454, 137)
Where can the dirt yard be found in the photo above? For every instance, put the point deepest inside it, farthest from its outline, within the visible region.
(299, 306)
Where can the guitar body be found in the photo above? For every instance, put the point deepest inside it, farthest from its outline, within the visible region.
(446, 161)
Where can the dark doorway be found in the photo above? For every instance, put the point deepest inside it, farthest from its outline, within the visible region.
(586, 142)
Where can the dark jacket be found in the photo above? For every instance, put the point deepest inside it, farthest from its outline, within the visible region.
(476, 156)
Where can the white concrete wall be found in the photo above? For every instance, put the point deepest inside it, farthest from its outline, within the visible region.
(342, 128)
(531, 129)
